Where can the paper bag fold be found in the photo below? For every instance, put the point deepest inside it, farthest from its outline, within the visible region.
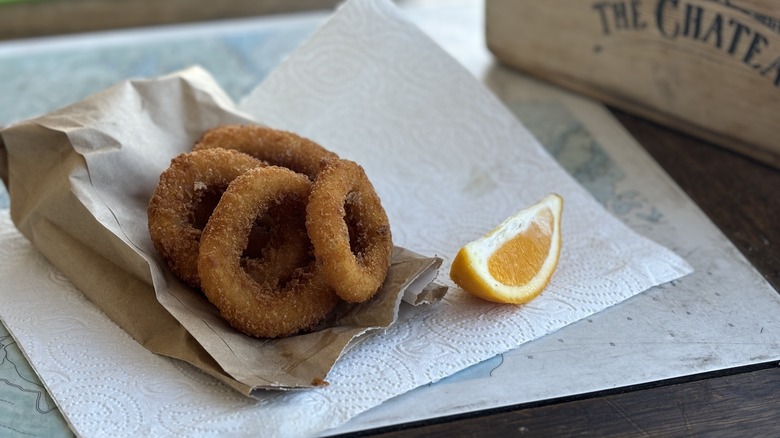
(80, 179)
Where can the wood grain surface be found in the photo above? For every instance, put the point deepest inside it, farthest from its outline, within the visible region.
(53, 17)
(726, 405)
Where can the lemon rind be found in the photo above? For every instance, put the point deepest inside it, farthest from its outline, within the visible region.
(475, 280)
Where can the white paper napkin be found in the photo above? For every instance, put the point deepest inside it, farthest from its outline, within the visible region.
(449, 163)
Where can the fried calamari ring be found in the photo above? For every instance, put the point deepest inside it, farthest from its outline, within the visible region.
(278, 148)
(349, 230)
(176, 203)
(287, 248)
(260, 309)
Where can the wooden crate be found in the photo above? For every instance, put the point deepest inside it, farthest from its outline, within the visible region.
(33, 18)
(710, 68)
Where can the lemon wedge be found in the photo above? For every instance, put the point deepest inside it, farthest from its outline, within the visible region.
(514, 262)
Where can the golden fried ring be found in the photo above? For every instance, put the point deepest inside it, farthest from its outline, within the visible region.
(288, 248)
(259, 309)
(278, 148)
(174, 204)
(349, 230)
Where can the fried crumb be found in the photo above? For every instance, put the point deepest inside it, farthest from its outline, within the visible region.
(319, 382)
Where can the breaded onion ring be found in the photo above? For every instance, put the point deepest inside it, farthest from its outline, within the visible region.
(278, 148)
(176, 203)
(349, 230)
(260, 309)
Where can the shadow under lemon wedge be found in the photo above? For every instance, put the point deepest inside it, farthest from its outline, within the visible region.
(514, 262)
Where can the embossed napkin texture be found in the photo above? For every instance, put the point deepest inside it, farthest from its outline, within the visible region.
(449, 161)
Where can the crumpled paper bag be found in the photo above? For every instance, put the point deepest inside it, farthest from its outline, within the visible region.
(80, 179)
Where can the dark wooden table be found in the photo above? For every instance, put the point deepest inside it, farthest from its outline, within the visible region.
(742, 197)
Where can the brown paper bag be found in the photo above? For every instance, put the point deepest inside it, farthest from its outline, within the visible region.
(80, 179)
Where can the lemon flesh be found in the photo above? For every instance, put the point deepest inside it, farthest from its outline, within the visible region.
(515, 261)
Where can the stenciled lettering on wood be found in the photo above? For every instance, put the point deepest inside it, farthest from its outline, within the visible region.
(737, 32)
